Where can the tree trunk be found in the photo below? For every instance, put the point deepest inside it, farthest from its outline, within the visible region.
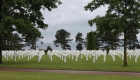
(1, 1)
(112, 45)
(125, 52)
(0, 49)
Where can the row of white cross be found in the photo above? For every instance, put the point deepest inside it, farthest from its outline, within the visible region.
(29, 53)
(93, 54)
(75, 53)
(63, 54)
(120, 53)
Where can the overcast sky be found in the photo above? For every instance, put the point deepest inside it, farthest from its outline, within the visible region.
(72, 17)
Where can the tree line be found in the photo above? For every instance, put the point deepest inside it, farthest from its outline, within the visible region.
(95, 41)
(92, 41)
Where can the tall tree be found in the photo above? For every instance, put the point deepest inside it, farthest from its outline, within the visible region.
(91, 44)
(124, 16)
(1, 1)
(111, 40)
(132, 41)
(109, 37)
(32, 42)
(6, 42)
(23, 16)
(79, 40)
(85, 40)
(97, 40)
(16, 42)
(62, 39)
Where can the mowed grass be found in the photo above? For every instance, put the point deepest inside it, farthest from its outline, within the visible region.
(81, 64)
(4, 75)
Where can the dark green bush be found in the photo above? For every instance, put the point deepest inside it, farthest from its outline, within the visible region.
(91, 44)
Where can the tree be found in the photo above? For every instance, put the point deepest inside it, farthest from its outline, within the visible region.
(111, 40)
(41, 42)
(85, 40)
(32, 42)
(6, 42)
(13, 42)
(23, 16)
(80, 41)
(107, 40)
(49, 48)
(107, 35)
(1, 1)
(62, 38)
(132, 41)
(79, 47)
(16, 42)
(124, 17)
(98, 41)
(91, 44)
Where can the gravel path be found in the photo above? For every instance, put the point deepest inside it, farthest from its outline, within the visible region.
(72, 71)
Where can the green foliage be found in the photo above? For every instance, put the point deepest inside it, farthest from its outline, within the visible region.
(79, 40)
(97, 40)
(132, 41)
(79, 47)
(122, 16)
(32, 42)
(85, 40)
(62, 38)
(106, 34)
(91, 44)
(13, 42)
(25, 16)
(48, 49)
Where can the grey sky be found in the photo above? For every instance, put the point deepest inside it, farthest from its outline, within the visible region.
(71, 16)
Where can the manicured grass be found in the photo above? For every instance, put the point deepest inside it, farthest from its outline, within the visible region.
(81, 64)
(55, 76)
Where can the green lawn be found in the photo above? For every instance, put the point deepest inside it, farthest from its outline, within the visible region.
(4, 75)
(81, 64)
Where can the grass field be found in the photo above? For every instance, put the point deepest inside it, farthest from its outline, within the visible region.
(57, 63)
(53, 76)
(81, 64)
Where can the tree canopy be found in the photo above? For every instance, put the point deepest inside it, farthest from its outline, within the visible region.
(14, 42)
(79, 40)
(62, 39)
(24, 16)
(91, 44)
